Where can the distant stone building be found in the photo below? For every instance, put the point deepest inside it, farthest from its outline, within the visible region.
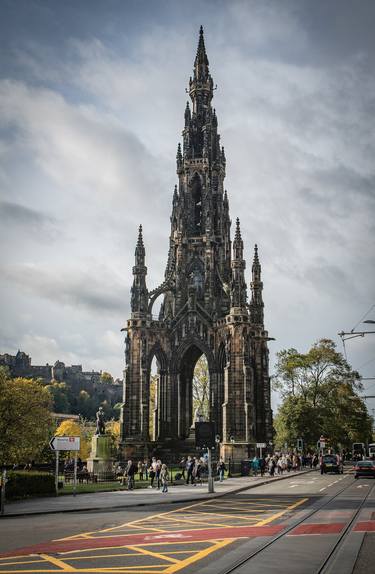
(204, 310)
(75, 378)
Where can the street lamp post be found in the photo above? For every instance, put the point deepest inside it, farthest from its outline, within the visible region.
(231, 459)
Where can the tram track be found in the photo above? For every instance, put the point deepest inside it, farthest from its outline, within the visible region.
(323, 567)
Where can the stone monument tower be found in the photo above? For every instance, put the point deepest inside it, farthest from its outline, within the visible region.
(205, 307)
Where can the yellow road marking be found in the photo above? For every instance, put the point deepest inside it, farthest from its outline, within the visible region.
(125, 555)
(154, 554)
(57, 562)
(198, 556)
(225, 515)
(194, 521)
(278, 514)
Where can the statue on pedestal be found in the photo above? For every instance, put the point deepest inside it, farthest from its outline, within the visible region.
(100, 423)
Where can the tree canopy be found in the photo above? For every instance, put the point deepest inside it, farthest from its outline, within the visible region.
(25, 419)
(320, 397)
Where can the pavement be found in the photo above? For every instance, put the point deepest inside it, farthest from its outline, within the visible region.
(116, 500)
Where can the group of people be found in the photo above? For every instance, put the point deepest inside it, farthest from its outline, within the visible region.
(191, 470)
(156, 471)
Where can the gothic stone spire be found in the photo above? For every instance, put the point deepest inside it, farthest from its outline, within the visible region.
(256, 285)
(139, 293)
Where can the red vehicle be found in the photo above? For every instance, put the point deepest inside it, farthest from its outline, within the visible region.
(364, 468)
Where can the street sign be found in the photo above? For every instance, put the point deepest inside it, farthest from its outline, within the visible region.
(261, 445)
(205, 434)
(65, 443)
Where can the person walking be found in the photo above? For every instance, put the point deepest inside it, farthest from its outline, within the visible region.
(220, 467)
(152, 472)
(164, 477)
(255, 465)
(157, 473)
(182, 466)
(189, 470)
(130, 471)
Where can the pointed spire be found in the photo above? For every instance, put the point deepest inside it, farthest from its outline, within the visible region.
(237, 236)
(187, 114)
(140, 249)
(256, 303)
(238, 285)
(139, 293)
(201, 57)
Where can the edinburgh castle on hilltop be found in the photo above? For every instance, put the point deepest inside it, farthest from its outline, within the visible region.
(205, 308)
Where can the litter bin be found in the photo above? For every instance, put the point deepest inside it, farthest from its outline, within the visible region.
(245, 467)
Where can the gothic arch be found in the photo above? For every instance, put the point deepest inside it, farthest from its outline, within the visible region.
(184, 347)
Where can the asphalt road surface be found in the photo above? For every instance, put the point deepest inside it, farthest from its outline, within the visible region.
(302, 525)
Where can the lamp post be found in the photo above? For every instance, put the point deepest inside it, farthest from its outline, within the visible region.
(231, 458)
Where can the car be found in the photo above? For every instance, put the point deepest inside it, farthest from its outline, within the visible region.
(364, 468)
(331, 463)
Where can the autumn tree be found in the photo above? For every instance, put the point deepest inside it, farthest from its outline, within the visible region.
(25, 419)
(320, 397)
(106, 378)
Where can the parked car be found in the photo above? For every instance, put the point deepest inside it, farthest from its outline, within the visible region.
(331, 463)
(364, 468)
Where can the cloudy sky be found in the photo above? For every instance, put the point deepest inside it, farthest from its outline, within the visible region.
(92, 95)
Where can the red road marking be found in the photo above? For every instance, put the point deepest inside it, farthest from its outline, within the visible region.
(366, 526)
(175, 536)
(333, 528)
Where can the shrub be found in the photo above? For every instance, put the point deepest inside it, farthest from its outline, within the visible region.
(22, 484)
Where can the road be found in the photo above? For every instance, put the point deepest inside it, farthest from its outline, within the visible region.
(291, 525)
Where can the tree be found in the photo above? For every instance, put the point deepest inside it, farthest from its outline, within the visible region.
(25, 419)
(74, 428)
(201, 387)
(106, 378)
(320, 397)
(59, 393)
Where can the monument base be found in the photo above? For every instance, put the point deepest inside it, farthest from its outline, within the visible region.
(100, 461)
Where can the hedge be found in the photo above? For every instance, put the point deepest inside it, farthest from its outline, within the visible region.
(22, 484)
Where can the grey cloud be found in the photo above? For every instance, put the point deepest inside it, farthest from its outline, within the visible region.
(95, 290)
(16, 214)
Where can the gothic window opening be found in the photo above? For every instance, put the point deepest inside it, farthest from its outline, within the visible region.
(153, 400)
(196, 192)
(201, 390)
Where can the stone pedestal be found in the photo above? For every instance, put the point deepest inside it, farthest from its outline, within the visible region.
(234, 453)
(100, 461)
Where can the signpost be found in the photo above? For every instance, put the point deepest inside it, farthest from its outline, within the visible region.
(58, 443)
(261, 445)
(205, 438)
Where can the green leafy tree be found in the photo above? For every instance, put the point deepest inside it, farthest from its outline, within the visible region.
(59, 393)
(25, 419)
(320, 396)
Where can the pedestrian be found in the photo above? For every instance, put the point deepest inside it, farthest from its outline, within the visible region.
(255, 465)
(182, 467)
(197, 472)
(220, 467)
(145, 466)
(262, 465)
(164, 477)
(152, 471)
(140, 470)
(189, 470)
(130, 471)
(157, 473)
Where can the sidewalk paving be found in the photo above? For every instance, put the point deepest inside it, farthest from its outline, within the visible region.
(115, 500)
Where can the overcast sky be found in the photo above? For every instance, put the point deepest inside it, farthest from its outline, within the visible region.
(92, 98)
